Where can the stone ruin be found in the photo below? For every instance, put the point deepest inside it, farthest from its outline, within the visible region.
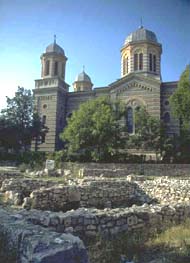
(54, 219)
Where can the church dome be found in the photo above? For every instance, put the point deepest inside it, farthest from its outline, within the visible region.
(141, 34)
(55, 48)
(83, 77)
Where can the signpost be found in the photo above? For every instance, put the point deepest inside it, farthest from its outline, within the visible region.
(50, 165)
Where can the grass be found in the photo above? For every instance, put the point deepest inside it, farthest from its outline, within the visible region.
(174, 242)
(170, 246)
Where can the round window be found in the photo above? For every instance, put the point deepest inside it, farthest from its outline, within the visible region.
(45, 106)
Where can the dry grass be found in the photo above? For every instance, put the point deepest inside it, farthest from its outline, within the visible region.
(175, 241)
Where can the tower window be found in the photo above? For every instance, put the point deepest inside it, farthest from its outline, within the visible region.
(138, 61)
(44, 119)
(127, 65)
(154, 63)
(135, 61)
(47, 68)
(55, 68)
(123, 66)
(141, 61)
(63, 70)
(150, 62)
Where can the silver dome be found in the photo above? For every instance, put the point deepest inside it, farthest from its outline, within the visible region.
(141, 34)
(83, 77)
(55, 48)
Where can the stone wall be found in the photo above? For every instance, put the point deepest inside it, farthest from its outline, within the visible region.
(8, 175)
(25, 242)
(16, 189)
(90, 222)
(100, 194)
(97, 192)
(110, 193)
(166, 190)
(121, 169)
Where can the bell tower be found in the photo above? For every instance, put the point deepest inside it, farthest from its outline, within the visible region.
(141, 54)
(50, 96)
(53, 62)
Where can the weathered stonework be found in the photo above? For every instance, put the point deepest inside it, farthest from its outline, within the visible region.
(90, 222)
(34, 243)
(98, 192)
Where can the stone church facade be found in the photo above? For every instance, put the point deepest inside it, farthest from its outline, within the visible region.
(140, 85)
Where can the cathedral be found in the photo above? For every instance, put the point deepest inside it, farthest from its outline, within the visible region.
(140, 85)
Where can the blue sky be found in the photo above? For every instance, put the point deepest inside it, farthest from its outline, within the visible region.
(91, 32)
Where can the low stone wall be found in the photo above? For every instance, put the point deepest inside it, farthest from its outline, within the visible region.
(56, 198)
(31, 243)
(99, 194)
(26, 186)
(16, 189)
(120, 169)
(8, 175)
(110, 193)
(90, 222)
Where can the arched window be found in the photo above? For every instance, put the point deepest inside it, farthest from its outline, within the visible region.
(47, 68)
(63, 70)
(154, 63)
(138, 61)
(150, 62)
(123, 66)
(167, 117)
(127, 65)
(135, 61)
(129, 119)
(43, 138)
(55, 68)
(44, 119)
(141, 61)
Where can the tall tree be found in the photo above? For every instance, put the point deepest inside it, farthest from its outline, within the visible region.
(180, 105)
(93, 130)
(147, 131)
(180, 100)
(18, 121)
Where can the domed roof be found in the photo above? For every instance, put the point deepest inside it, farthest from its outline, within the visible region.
(83, 77)
(55, 48)
(141, 34)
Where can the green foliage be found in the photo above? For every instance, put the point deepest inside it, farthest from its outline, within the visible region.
(171, 246)
(93, 131)
(32, 159)
(147, 131)
(180, 100)
(110, 250)
(18, 124)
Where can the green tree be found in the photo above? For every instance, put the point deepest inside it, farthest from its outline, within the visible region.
(180, 105)
(8, 135)
(147, 132)
(18, 123)
(93, 131)
(180, 100)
